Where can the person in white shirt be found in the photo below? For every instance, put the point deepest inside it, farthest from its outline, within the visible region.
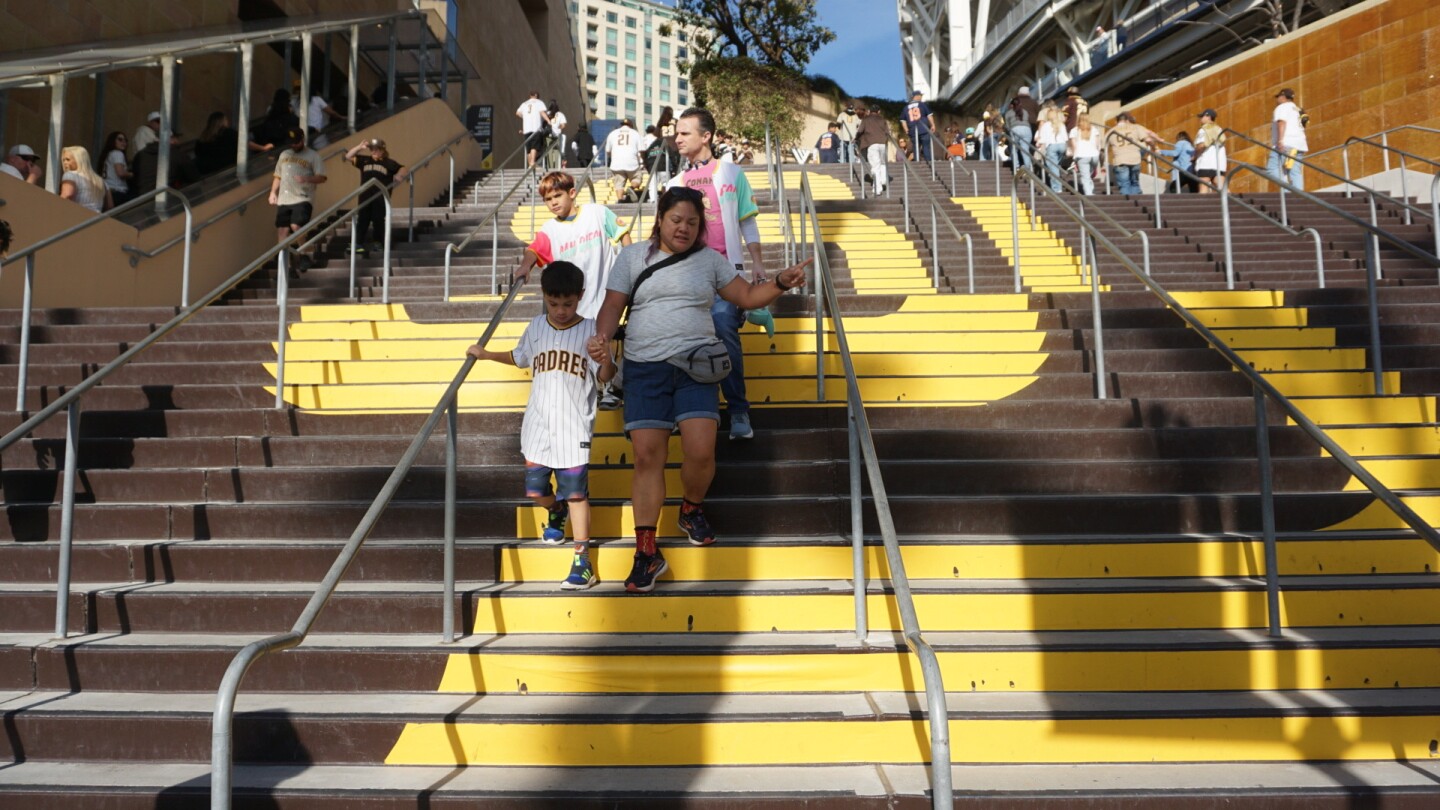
(80, 183)
(1085, 148)
(23, 164)
(558, 122)
(1290, 142)
(148, 134)
(622, 153)
(532, 125)
(317, 116)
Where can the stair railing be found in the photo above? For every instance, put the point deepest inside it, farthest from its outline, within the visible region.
(1262, 389)
(1314, 233)
(935, 218)
(529, 178)
(1374, 196)
(1383, 135)
(1372, 253)
(222, 735)
(863, 452)
(28, 254)
(1386, 150)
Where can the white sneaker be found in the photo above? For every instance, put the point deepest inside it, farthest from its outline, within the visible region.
(610, 401)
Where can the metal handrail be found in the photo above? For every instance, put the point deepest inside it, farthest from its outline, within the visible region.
(935, 233)
(493, 218)
(1383, 135)
(221, 750)
(1262, 389)
(1404, 179)
(425, 161)
(1156, 158)
(138, 253)
(28, 254)
(862, 443)
(1306, 163)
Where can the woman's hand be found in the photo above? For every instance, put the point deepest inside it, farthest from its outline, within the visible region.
(794, 275)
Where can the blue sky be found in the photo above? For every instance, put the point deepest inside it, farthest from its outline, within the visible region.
(865, 56)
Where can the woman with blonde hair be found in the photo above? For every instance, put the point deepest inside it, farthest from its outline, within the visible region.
(1052, 141)
(80, 182)
(1085, 148)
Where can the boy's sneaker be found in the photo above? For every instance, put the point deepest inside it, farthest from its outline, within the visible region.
(648, 567)
(554, 533)
(696, 527)
(612, 399)
(740, 427)
(582, 574)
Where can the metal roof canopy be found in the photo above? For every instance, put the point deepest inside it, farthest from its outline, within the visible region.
(36, 68)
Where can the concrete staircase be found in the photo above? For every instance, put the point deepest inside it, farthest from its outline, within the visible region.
(1088, 570)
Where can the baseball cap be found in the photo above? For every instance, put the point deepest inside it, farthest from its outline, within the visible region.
(1024, 91)
(1073, 91)
(295, 135)
(1209, 112)
(21, 150)
(154, 116)
(1287, 93)
(916, 94)
(376, 143)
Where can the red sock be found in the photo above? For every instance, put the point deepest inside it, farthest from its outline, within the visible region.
(645, 539)
(686, 507)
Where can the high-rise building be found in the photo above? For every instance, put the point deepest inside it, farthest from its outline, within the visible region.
(629, 69)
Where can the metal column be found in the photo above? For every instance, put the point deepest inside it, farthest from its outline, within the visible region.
(325, 85)
(390, 71)
(307, 48)
(57, 133)
(97, 139)
(353, 77)
(242, 121)
(167, 126)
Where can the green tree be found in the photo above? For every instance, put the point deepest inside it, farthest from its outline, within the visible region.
(780, 33)
(743, 95)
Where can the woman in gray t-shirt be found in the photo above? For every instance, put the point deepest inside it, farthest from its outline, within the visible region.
(670, 315)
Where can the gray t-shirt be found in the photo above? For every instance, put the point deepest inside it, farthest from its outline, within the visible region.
(292, 165)
(671, 312)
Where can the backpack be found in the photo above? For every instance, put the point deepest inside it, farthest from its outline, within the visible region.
(1304, 117)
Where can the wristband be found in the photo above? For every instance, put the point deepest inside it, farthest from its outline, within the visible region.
(782, 287)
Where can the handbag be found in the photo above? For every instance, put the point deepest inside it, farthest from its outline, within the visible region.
(707, 363)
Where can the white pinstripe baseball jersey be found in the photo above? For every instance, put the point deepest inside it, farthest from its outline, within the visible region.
(561, 412)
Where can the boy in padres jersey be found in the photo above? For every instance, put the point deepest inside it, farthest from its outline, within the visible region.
(555, 434)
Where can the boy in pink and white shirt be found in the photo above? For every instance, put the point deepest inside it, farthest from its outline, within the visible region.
(589, 236)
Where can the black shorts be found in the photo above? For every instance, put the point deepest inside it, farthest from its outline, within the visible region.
(535, 141)
(1206, 174)
(297, 215)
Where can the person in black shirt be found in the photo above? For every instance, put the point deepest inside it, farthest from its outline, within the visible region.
(373, 160)
(215, 150)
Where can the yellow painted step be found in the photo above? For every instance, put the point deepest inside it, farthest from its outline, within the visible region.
(1252, 317)
(1388, 441)
(673, 610)
(534, 562)
(981, 671)
(1401, 473)
(1230, 739)
(1278, 338)
(1369, 410)
(1305, 359)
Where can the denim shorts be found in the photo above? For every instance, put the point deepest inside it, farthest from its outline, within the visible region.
(659, 395)
(571, 483)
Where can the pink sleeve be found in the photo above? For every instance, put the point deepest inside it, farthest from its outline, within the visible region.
(541, 248)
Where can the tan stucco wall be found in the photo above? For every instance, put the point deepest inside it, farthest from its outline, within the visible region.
(516, 46)
(90, 269)
(1367, 69)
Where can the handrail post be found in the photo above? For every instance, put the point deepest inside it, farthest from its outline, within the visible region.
(354, 243)
(1225, 225)
(282, 294)
(1319, 256)
(385, 264)
(905, 172)
(1155, 170)
(26, 305)
(1385, 142)
(451, 430)
(1098, 327)
(451, 155)
(934, 246)
(1014, 230)
(185, 254)
(1372, 272)
(1145, 247)
(970, 261)
(1345, 160)
(1267, 516)
(67, 520)
(1284, 211)
(242, 124)
(411, 178)
(495, 253)
(1405, 189)
(1435, 212)
(1375, 223)
(352, 78)
(857, 528)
